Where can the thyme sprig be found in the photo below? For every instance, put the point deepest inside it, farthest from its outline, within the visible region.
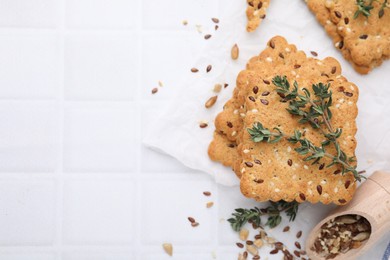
(273, 211)
(364, 7)
(317, 115)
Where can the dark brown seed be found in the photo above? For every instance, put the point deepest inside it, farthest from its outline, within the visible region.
(272, 44)
(225, 85)
(289, 162)
(319, 189)
(231, 145)
(303, 252)
(336, 172)
(348, 94)
(207, 36)
(264, 101)
(259, 181)
(297, 253)
(252, 99)
(279, 245)
(229, 124)
(215, 20)
(297, 66)
(191, 219)
(258, 236)
(342, 201)
(249, 242)
(281, 95)
(240, 245)
(255, 89)
(363, 37)
(207, 193)
(249, 164)
(338, 14)
(263, 16)
(203, 125)
(315, 54)
(347, 183)
(298, 245)
(324, 74)
(346, 20)
(286, 229)
(154, 91)
(257, 161)
(245, 254)
(341, 89)
(194, 70)
(302, 196)
(265, 93)
(260, 5)
(341, 45)
(381, 13)
(216, 27)
(209, 67)
(266, 82)
(321, 166)
(334, 70)
(281, 55)
(256, 257)
(299, 234)
(274, 252)
(195, 224)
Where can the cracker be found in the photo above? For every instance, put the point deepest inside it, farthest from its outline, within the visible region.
(365, 42)
(223, 150)
(265, 168)
(255, 12)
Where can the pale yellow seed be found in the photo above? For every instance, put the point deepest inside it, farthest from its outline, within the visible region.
(168, 248)
(252, 250)
(160, 83)
(217, 88)
(211, 101)
(244, 233)
(209, 204)
(258, 243)
(185, 22)
(235, 52)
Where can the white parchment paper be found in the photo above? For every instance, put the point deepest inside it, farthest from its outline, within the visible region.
(178, 133)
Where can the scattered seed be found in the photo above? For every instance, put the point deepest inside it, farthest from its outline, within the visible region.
(207, 36)
(338, 14)
(361, 236)
(191, 219)
(299, 234)
(216, 27)
(195, 224)
(208, 69)
(160, 84)
(258, 243)
(207, 193)
(211, 101)
(256, 257)
(303, 252)
(168, 248)
(199, 28)
(315, 54)
(244, 233)
(194, 70)
(245, 255)
(215, 20)
(279, 245)
(298, 245)
(225, 85)
(252, 250)
(264, 101)
(341, 44)
(209, 204)
(217, 88)
(154, 90)
(297, 253)
(263, 16)
(319, 189)
(203, 125)
(249, 242)
(235, 52)
(274, 252)
(286, 229)
(184, 22)
(240, 245)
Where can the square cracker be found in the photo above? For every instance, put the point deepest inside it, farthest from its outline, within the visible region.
(365, 42)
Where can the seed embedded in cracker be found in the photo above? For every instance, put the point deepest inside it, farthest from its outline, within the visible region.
(235, 52)
(168, 248)
(211, 101)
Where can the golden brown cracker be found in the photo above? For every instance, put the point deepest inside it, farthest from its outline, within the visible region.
(256, 12)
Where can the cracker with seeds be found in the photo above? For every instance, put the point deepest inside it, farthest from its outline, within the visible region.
(256, 12)
(364, 41)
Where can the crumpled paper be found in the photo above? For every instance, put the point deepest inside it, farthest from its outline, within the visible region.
(178, 133)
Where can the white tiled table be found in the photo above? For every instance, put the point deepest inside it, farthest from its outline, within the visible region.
(75, 181)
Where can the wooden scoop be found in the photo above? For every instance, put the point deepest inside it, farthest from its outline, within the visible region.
(371, 201)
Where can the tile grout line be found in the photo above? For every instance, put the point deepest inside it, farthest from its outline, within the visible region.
(60, 173)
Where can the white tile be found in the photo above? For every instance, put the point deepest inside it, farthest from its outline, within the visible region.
(99, 137)
(100, 255)
(29, 13)
(27, 211)
(181, 256)
(99, 211)
(167, 57)
(168, 202)
(29, 65)
(29, 136)
(102, 66)
(169, 14)
(101, 13)
(28, 256)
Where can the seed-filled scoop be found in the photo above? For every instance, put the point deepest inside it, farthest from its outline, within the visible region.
(351, 229)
